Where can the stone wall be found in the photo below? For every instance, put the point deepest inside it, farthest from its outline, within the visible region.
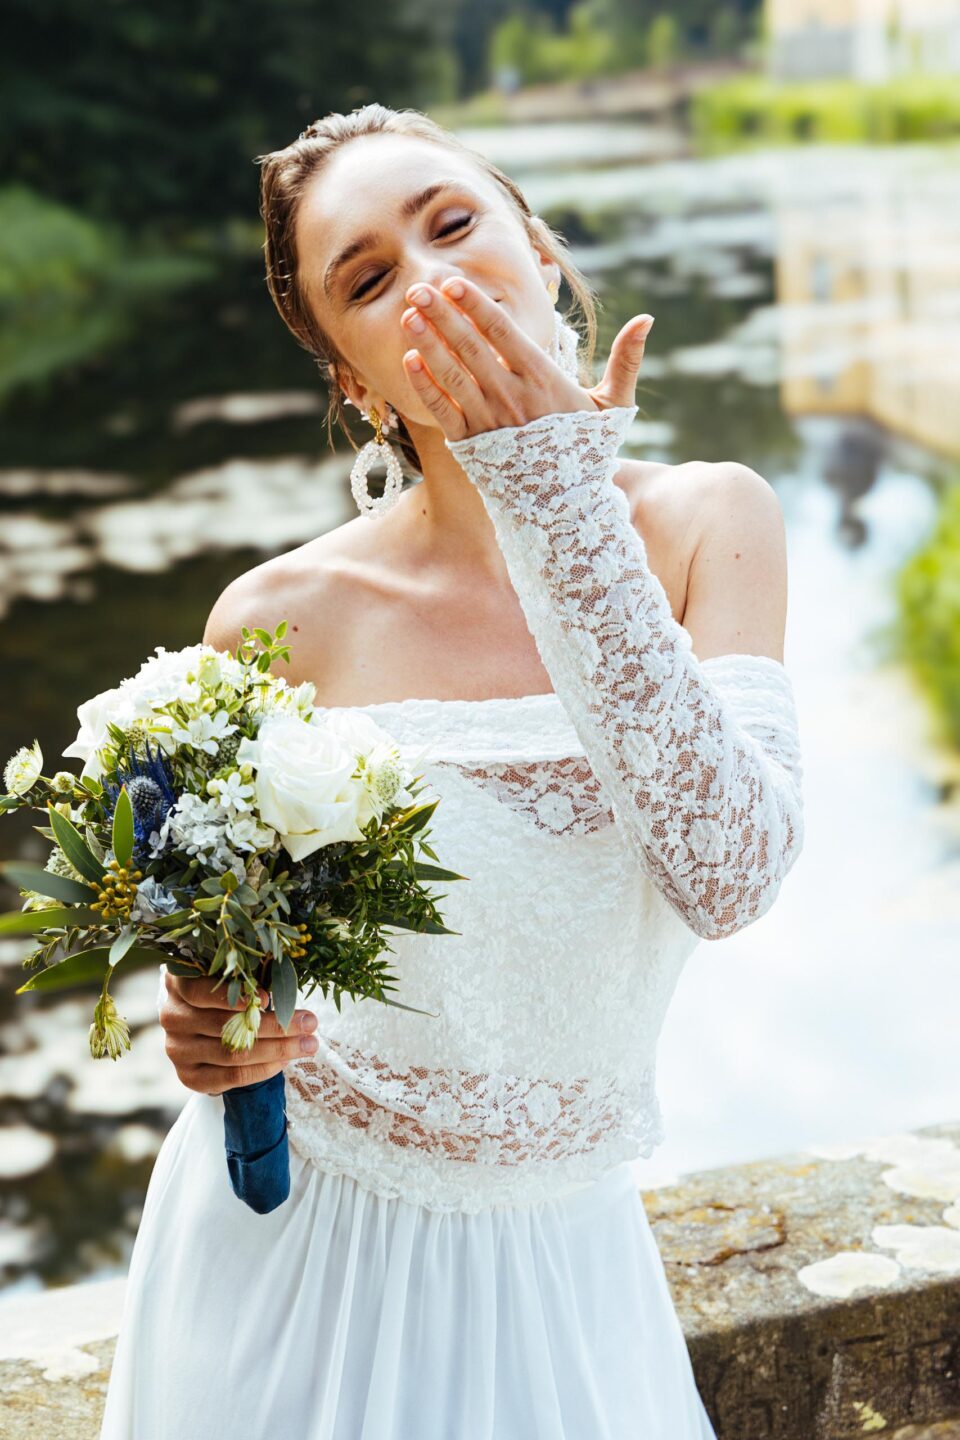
(819, 1294)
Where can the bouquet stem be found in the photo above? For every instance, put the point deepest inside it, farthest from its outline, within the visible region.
(255, 1138)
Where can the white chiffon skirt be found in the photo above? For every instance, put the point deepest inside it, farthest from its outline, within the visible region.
(343, 1315)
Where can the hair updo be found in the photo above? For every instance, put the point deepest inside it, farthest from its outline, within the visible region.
(284, 175)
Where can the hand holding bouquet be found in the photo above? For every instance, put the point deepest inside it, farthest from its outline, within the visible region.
(225, 826)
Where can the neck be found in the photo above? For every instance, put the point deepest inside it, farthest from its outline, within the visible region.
(443, 520)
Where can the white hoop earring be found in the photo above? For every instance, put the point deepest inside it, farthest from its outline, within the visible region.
(374, 451)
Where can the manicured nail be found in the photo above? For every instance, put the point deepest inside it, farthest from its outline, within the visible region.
(308, 1046)
(454, 288)
(308, 1022)
(420, 297)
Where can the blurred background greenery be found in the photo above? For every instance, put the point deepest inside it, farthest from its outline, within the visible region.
(776, 183)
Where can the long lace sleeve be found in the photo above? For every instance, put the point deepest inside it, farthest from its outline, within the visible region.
(705, 777)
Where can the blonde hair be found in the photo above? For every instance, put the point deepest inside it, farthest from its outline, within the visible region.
(284, 175)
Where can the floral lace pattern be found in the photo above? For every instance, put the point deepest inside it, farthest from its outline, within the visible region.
(487, 1118)
(454, 1140)
(713, 807)
(561, 796)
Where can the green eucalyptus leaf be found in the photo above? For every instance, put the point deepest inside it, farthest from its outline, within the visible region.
(122, 944)
(54, 917)
(74, 846)
(167, 922)
(178, 966)
(85, 966)
(122, 836)
(283, 988)
(44, 882)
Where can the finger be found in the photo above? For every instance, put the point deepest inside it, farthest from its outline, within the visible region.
(210, 1050)
(449, 416)
(447, 368)
(201, 993)
(179, 1018)
(459, 331)
(626, 360)
(212, 1080)
(495, 324)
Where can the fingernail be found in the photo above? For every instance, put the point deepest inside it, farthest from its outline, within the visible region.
(308, 1046)
(308, 1022)
(454, 288)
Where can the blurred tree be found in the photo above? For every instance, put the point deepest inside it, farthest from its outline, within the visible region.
(662, 40)
(623, 22)
(151, 115)
(726, 32)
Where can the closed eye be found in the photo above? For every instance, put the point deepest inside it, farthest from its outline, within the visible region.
(374, 279)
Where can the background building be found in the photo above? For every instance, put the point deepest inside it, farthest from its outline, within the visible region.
(868, 40)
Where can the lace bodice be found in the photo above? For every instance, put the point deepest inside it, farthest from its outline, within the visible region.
(649, 800)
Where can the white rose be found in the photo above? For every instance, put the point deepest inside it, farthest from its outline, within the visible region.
(109, 707)
(303, 783)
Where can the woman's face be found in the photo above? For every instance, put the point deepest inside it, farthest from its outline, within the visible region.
(369, 227)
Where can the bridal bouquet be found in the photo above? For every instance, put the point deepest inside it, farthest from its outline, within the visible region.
(225, 826)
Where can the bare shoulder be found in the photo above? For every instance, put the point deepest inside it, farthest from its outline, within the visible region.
(308, 586)
(717, 528)
(676, 502)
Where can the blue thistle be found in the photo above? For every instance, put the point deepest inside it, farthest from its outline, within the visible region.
(150, 790)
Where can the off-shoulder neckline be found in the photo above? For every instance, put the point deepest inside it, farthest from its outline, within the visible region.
(540, 698)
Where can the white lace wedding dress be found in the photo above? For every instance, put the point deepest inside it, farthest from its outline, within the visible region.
(464, 1254)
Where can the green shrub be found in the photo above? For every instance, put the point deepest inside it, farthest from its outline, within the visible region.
(926, 633)
(754, 107)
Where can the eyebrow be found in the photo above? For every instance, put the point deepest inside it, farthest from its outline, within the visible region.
(410, 207)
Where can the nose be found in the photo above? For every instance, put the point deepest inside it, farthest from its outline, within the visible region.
(435, 276)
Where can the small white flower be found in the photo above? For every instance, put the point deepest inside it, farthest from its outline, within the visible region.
(23, 769)
(241, 1030)
(246, 833)
(109, 1034)
(204, 732)
(233, 792)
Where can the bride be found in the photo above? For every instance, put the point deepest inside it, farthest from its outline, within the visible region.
(591, 649)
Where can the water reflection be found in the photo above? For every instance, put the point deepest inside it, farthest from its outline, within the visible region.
(868, 287)
(802, 319)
